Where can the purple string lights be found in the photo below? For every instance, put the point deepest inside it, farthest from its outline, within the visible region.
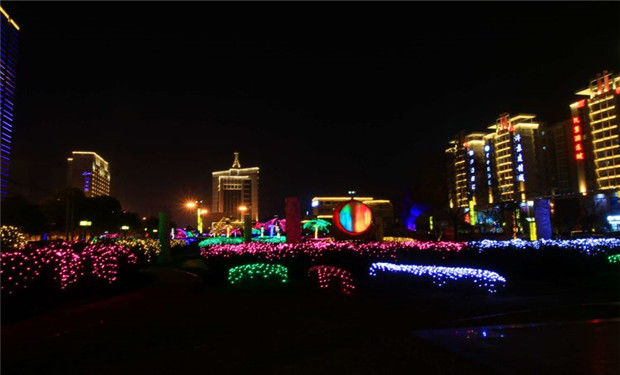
(441, 275)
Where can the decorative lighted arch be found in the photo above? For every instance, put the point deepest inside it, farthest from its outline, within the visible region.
(352, 217)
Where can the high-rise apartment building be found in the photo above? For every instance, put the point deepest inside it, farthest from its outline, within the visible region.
(596, 141)
(558, 171)
(9, 32)
(467, 171)
(89, 172)
(511, 158)
(500, 166)
(235, 187)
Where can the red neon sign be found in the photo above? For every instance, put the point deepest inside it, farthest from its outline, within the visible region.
(577, 137)
(581, 103)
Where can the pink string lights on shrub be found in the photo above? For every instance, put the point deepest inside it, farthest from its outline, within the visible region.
(334, 277)
(106, 260)
(64, 262)
(314, 250)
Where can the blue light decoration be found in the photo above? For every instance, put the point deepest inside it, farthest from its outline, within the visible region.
(8, 65)
(472, 170)
(585, 246)
(485, 279)
(519, 156)
(87, 180)
(413, 214)
(487, 157)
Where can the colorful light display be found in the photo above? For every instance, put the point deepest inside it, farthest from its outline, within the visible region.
(485, 279)
(330, 276)
(352, 217)
(258, 271)
(614, 258)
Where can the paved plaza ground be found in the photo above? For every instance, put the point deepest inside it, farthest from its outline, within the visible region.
(173, 322)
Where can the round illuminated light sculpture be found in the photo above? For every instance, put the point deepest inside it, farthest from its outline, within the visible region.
(352, 218)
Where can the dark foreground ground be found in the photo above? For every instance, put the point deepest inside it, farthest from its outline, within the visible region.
(174, 322)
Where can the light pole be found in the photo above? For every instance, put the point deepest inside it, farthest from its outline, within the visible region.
(243, 208)
(247, 231)
(199, 212)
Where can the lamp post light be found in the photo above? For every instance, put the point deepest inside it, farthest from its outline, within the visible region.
(84, 224)
(199, 212)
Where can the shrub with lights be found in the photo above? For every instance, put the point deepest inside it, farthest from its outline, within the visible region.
(333, 277)
(440, 276)
(11, 238)
(62, 265)
(251, 273)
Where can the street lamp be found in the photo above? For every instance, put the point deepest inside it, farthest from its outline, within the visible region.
(243, 208)
(199, 213)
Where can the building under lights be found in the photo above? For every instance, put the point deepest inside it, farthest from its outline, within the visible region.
(89, 172)
(488, 170)
(596, 141)
(235, 187)
(323, 208)
(495, 167)
(8, 74)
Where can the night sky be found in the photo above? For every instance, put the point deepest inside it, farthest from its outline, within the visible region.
(323, 97)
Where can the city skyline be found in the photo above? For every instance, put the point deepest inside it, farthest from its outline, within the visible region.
(346, 107)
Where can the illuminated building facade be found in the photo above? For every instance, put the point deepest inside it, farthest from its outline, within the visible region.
(513, 154)
(8, 71)
(88, 172)
(596, 141)
(323, 207)
(487, 170)
(234, 188)
(467, 172)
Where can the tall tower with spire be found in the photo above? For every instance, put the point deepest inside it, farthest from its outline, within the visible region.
(233, 188)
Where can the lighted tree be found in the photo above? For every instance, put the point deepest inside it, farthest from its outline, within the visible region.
(317, 225)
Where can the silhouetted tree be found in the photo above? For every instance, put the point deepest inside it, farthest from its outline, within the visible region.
(18, 212)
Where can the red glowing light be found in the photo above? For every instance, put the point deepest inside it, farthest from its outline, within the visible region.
(578, 138)
(578, 147)
(581, 103)
(576, 120)
(618, 90)
(579, 156)
(577, 129)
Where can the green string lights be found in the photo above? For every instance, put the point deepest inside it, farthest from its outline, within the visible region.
(614, 258)
(258, 271)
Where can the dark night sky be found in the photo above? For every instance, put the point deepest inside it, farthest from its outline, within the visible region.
(323, 97)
